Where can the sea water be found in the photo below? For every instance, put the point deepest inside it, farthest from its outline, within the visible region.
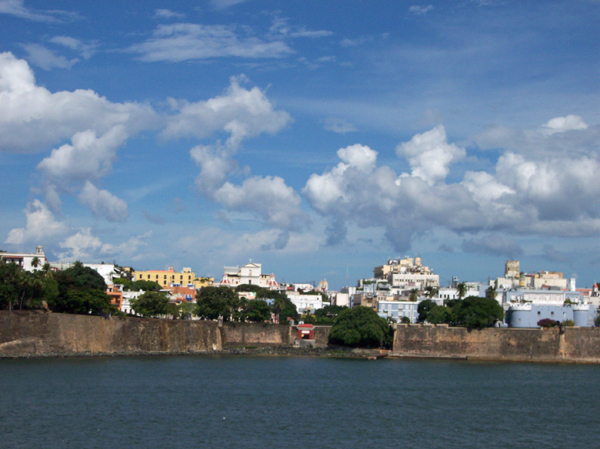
(295, 402)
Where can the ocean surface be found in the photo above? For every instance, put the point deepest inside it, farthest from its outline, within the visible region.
(294, 402)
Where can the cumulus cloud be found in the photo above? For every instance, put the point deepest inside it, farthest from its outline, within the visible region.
(87, 157)
(222, 4)
(32, 118)
(128, 248)
(241, 112)
(562, 124)
(493, 245)
(187, 41)
(47, 59)
(41, 225)
(79, 246)
(73, 166)
(554, 196)
(269, 198)
(215, 167)
(103, 203)
(429, 154)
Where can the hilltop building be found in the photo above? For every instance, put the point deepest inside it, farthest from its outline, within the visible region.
(25, 260)
(250, 274)
(407, 273)
(167, 277)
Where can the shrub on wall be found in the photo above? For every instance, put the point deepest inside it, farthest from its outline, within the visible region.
(547, 322)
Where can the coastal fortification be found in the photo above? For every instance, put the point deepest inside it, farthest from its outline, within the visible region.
(574, 344)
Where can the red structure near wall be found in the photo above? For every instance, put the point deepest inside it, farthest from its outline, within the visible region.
(306, 332)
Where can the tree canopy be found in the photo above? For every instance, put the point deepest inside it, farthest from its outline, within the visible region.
(152, 304)
(214, 302)
(361, 327)
(81, 290)
(472, 312)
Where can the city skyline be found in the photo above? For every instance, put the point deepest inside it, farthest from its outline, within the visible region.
(314, 138)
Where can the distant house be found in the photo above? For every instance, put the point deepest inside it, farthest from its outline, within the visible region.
(25, 260)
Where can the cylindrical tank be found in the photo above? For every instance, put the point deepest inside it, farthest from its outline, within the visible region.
(519, 315)
(581, 315)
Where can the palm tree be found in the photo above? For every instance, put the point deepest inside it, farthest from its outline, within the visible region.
(491, 293)
(35, 262)
(432, 291)
(461, 289)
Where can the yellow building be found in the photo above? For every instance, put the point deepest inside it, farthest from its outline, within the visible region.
(166, 277)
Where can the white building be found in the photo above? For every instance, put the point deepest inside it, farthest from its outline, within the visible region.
(305, 303)
(250, 274)
(106, 270)
(24, 260)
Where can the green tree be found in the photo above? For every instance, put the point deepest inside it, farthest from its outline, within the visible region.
(81, 290)
(431, 291)
(423, 309)
(475, 312)
(215, 302)
(328, 314)
(152, 304)
(256, 311)
(439, 315)
(405, 320)
(414, 295)
(361, 327)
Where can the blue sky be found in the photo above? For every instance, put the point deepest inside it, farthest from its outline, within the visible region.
(318, 138)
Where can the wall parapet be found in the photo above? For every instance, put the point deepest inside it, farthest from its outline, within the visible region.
(514, 344)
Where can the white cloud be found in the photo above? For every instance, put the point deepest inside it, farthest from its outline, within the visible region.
(281, 26)
(222, 4)
(80, 246)
(563, 124)
(167, 14)
(215, 167)
(17, 8)
(540, 194)
(269, 198)
(240, 112)
(73, 166)
(186, 41)
(429, 154)
(86, 50)
(103, 203)
(339, 126)
(88, 157)
(46, 59)
(128, 248)
(41, 225)
(32, 118)
(420, 10)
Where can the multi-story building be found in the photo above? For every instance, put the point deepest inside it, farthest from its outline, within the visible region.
(250, 274)
(26, 260)
(167, 277)
(305, 303)
(398, 309)
(407, 273)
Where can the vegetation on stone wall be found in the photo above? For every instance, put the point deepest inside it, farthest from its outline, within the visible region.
(471, 312)
(361, 327)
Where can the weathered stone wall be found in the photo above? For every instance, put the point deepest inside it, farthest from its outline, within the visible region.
(322, 335)
(576, 344)
(55, 333)
(245, 334)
